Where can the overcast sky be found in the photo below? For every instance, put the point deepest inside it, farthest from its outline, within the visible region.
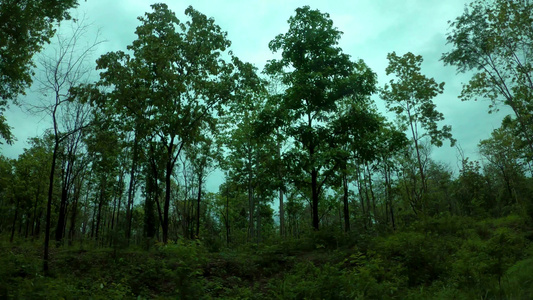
(372, 28)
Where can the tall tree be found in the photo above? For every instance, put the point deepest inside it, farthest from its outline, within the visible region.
(179, 77)
(248, 147)
(493, 39)
(61, 72)
(25, 27)
(203, 155)
(410, 95)
(6, 189)
(104, 147)
(317, 75)
(38, 157)
(502, 151)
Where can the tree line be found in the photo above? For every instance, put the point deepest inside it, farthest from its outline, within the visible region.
(302, 144)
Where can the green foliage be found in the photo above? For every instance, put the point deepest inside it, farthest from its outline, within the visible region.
(518, 280)
(356, 277)
(491, 39)
(318, 76)
(438, 258)
(27, 26)
(410, 97)
(169, 109)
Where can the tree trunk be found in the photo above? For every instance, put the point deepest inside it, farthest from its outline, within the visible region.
(93, 219)
(251, 205)
(156, 185)
(198, 205)
(258, 223)
(314, 191)
(62, 214)
(149, 217)
(345, 202)
(227, 219)
(100, 204)
(27, 222)
(35, 204)
(119, 201)
(166, 205)
(251, 208)
(281, 208)
(71, 231)
(281, 214)
(131, 188)
(15, 220)
(367, 198)
(388, 184)
(49, 205)
(371, 192)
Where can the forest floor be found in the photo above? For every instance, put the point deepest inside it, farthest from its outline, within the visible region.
(444, 258)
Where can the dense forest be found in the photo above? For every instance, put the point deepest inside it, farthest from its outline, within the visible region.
(323, 195)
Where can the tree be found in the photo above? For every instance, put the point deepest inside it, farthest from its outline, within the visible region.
(250, 148)
(493, 39)
(31, 169)
(317, 75)
(174, 81)
(391, 142)
(6, 189)
(410, 96)
(25, 27)
(203, 155)
(356, 130)
(104, 147)
(61, 73)
(502, 151)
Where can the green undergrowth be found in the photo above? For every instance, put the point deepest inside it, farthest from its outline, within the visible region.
(440, 258)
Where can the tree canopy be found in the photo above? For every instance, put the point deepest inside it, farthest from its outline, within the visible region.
(184, 171)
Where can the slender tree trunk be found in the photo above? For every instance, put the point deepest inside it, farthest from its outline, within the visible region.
(314, 191)
(131, 188)
(227, 218)
(38, 225)
(420, 168)
(15, 220)
(389, 195)
(112, 223)
(93, 219)
(35, 204)
(71, 231)
(361, 197)
(167, 200)
(251, 208)
(62, 215)
(156, 186)
(100, 204)
(371, 192)
(198, 205)
(281, 208)
(281, 214)
(49, 203)
(251, 204)
(259, 223)
(28, 217)
(345, 203)
(367, 198)
(118, 208)
(149, 217)
(507, 182)
(119, 195)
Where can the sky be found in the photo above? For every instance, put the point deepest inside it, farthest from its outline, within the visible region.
(371, 29)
